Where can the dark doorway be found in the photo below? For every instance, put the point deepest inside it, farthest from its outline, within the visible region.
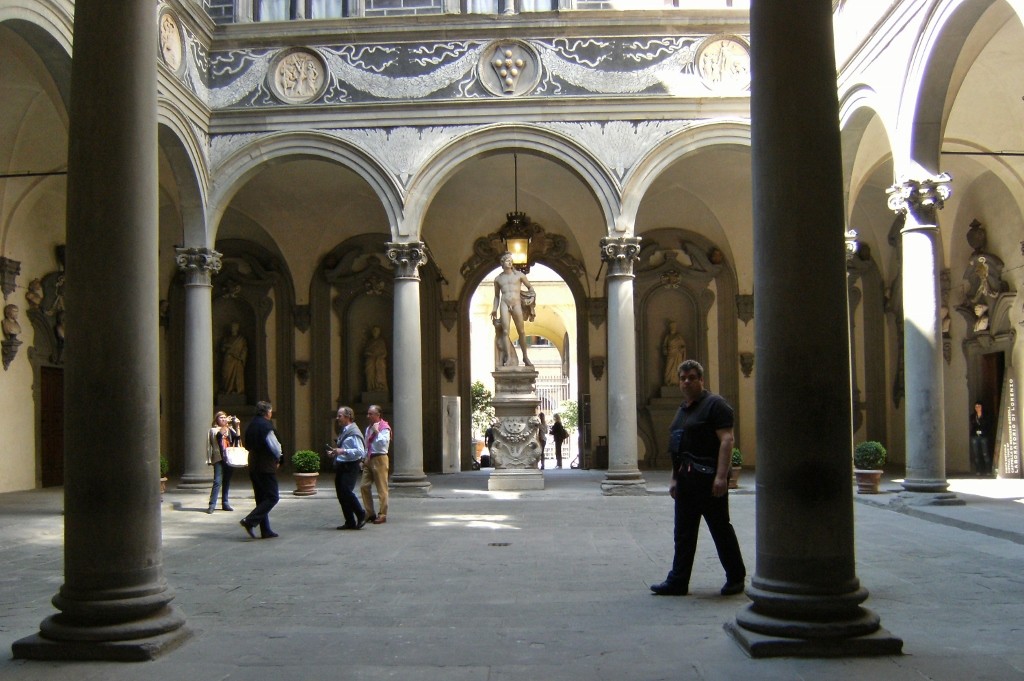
(51, 426)
(992, 369)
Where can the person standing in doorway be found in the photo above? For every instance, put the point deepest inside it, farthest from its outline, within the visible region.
(981, 437)
(348, 454)
(701, 440)
(264, 460)
(560, 435)
(375, 468)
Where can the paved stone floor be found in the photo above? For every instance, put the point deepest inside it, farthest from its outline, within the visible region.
(468, 585)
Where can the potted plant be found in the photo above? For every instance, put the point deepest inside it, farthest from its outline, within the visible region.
(306, 464)
(868, 459)
(165, 468)
(737, 468)
(482, 413)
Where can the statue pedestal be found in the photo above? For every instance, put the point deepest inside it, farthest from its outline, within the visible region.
(516, 450)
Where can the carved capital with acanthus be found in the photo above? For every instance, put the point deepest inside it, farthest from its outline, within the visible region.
(407, 259)
(920, 198)
(619, 253)
(198, 265)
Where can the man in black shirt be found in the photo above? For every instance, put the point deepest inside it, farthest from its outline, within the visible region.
(264, 460)
(701, 444)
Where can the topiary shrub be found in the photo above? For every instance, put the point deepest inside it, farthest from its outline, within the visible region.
(869, 456)
(165, 466)
(737, 457)
(306, 461)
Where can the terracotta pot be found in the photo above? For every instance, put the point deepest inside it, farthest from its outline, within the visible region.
(734, 477)
(163, 487)
(305, 484)
(867, 481)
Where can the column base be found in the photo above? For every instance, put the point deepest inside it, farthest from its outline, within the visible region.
(934, 485)
(624, 484)
(77, 646)
(511, 479)
(409, 485)
(913, 498)
(759, 645)
(191, 482)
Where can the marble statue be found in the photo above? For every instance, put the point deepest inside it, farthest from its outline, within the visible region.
(673, 347)
(11, 327)
(375, 356)
(232, 371)
(511, 304)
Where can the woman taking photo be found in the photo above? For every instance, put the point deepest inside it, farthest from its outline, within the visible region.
(223, 434)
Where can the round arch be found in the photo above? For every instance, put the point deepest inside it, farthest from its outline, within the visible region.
(922, 108)
(676, 146)
(508, 137)
(858, 109)
(248, 160)
(183, 152)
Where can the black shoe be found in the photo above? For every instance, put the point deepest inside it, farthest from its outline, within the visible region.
(733, 588)
(269, 535)
(362, 521)
(209, 511)
(370, 518)
(226, 507)
(347, 527)
(248, 527)
(667, 588)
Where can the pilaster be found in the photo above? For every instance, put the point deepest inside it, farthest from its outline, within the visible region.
(407, 475)
(619, 255)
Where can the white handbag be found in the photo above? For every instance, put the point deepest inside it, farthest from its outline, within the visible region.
(236, 457)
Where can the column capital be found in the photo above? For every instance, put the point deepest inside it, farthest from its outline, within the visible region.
(620, 253)
(920, 197)
(407, 258)
(197, 264)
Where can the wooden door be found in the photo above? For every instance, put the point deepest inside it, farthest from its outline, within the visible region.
(51, 426)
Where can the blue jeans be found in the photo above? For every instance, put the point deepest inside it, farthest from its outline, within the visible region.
(221, 481)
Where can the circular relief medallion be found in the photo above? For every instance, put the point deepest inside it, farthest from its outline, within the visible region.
(171, 43)
(723, 63)
(509, 68)
(297, 76)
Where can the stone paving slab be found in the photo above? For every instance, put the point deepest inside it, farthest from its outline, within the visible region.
(470, 585)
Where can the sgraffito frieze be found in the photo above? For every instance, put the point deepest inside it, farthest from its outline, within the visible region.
(684, 66)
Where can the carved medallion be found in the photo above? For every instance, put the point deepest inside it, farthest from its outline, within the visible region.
(509, 68)
(723, 63)
(171, 43)
(297, 76)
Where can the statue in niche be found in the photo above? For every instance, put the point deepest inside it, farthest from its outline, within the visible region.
(11, 327)
(673, 347)
(235, 351)
(511, 304)
(375, 358)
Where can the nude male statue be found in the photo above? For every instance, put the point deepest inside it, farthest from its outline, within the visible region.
(510, 302)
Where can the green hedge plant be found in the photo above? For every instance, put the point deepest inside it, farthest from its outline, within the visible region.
(869, 456)
(306, 461)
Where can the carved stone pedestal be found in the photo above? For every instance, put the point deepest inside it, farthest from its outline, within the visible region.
(516, 449)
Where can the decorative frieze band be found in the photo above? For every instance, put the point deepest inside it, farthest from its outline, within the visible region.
(407, 259)
(619, 254)
(198, 265)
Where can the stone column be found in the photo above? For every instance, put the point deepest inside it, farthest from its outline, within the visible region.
(920, 201)
(114, 603)
(407, 474)
(805, 592)
(197, 265)
(623, 478)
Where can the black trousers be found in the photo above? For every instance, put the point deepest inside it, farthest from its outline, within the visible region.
(693, 502)
(346, 474)
(264, 488)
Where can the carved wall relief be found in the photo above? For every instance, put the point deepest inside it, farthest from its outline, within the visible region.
(297, 76)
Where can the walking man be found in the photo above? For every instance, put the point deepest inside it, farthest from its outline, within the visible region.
(348, 454)
(264, 460)
(375, 468)
(701, 440)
